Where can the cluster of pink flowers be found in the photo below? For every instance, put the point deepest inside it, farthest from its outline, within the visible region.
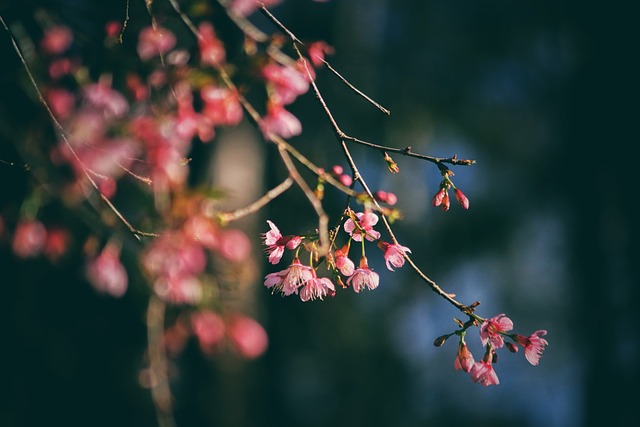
(303, 279)
(31, 238)
(492, 334)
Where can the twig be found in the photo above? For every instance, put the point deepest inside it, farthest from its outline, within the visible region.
(258, 204)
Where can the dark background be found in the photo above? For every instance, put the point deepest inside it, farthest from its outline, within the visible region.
(540, 93)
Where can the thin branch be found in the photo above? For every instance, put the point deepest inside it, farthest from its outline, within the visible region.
(323, 219)
(124, 24)
(258, 204)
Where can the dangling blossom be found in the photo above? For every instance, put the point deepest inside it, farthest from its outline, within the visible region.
(279, 122)
(29, 238)
(461, 198)
(56, 40)
(366, 221)
(103, 98)
(317, 51)
(393, 254)
(363, 277)
(287, 82)
(209, 328)
(533, 345)
(317, 287)
(464, 359)
(154, 42)
(247, 337)
(276, 243)
(483, 373)
(290, 280)
(491, 330)
(106, 273)
(221, 106)
(211, 48)
(247, 7)
(343, 263)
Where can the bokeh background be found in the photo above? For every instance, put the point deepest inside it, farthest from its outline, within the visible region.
(539, 93)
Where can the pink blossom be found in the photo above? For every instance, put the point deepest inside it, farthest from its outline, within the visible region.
(112, 29)
(29, 238)
(211, 48)
(209, 328)
(106, 273)
(56, 40)
(317, 287)
(57, 243)
(222, 106)
(288, 281)
(462, 199)
(491, 330)
(279, 122)
(235, 246)
(247, 336)
(174, 255)
(154, 42)
(366, 221)
(202, 230)
(317, 50)
(464, 359)
(533, 345)
(344, 264)
(287, 82)
(439, 197)
(483, 373)
(393, 254)
(105, 99)
(363, 277)
(61, 67)
(61, 101)
(276, 243)
(247, 7)
(183, 289)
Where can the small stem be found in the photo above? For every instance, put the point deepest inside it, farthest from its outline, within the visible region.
(258, 204)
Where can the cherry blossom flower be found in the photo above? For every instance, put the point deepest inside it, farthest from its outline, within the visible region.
(393, 254)
(317, 287)
(57, 243)
(483, 373)
(56, 40)
(464, 359)
(287, 82)
(103, 98)
(343, 263)
(61, 101)
(106, 273)
(491, 330)
(154, 42)
(363, 277)
(317, 51)
(247, 337)
(235, 246)
(288, 281)
(29, 238)
(247, 7)
(366, 221)
(276, 243)
(533, 345)
(209, 329)
(221, 106)
(211, 48)
(279, 122)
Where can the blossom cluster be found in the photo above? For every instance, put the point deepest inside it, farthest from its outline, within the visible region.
(493, 332)
(302, 280)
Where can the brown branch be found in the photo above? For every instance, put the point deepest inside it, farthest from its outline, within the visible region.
(254, 207)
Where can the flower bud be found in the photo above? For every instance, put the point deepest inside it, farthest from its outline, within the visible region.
(441, 340)
(393, 166)
(438, 198)
(462, 199)
(511, 347)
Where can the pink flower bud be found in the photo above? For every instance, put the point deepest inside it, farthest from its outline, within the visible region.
(247, 336)
(439, 197)
(462, 199)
